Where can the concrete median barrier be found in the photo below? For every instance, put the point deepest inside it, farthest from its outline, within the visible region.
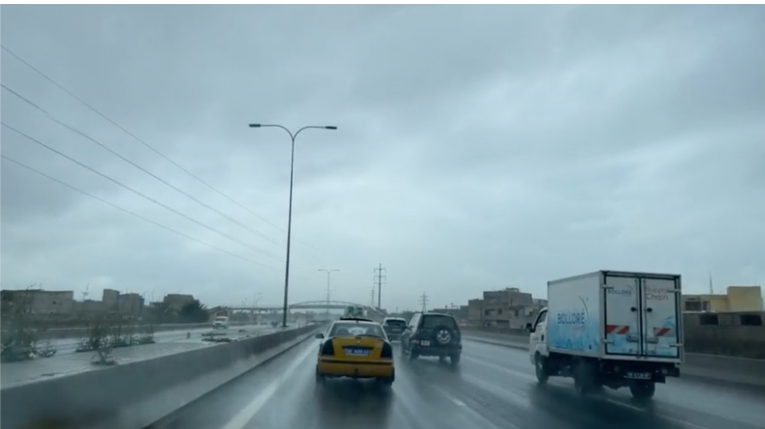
(78, 332)
(134, 395)
(707, 366)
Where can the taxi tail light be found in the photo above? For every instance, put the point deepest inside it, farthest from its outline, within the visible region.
(387, 351)
(328, 349)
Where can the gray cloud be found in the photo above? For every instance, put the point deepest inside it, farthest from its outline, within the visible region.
(479, 147)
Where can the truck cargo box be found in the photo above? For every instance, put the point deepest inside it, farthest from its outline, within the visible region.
(616, 315)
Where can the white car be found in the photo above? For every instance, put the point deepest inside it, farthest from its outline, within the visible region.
(220, 322)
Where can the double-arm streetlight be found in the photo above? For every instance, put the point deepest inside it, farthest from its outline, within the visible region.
(293, 136)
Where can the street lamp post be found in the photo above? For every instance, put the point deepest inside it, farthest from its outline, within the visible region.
(293, 136)
(329, 274)
(255, 310)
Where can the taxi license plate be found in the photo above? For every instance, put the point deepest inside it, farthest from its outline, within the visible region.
(356, 352)
(638, 375)
(425, 343)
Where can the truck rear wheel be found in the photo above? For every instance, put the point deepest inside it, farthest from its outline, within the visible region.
(643, 390)
(584, 379)
(540, 367)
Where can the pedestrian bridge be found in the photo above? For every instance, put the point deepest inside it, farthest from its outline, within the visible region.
(374, 313)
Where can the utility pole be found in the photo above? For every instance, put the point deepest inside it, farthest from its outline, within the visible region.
(424, 301)
(329, 275)
(372, 296)
(379, 278)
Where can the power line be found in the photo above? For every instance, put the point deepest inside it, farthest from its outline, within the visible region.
(113, 152)
(132, 214)
(222, 234)
(147, 145)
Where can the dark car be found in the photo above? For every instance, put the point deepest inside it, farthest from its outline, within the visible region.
(394, 327)
(432, 334)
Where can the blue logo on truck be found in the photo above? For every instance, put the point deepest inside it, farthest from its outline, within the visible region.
(573, 329)
(572, 318)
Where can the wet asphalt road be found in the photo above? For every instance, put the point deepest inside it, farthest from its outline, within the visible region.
(494, 387)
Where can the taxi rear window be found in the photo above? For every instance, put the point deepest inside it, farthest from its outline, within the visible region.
(356, 329)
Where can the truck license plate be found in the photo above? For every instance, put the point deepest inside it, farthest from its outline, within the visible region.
(425, 343)
(638, 375)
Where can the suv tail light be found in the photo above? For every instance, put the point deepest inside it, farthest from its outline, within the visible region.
(387, 351)
(328, 349)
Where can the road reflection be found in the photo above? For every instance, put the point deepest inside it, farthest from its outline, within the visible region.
(352, 403)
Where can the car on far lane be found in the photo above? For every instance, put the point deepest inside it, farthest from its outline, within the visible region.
(355, 348)
(432, 334)
(220, 322)
(394, 327)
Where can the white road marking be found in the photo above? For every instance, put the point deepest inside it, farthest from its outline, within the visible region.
(458, 402)
(661, 416)
(622, 404)
(514, 372)
(248, 412)
(475, 414)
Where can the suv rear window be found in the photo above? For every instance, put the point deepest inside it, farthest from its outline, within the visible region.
(433, 321)
(397, 323)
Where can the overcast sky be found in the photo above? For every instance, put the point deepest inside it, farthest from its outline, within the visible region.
(478, 148)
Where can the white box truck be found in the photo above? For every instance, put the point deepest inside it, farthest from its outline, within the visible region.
(610, 328)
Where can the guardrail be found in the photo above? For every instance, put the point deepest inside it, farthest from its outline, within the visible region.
(137, 394)
(715, 367)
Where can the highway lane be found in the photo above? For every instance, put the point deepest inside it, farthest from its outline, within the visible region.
(494, 387)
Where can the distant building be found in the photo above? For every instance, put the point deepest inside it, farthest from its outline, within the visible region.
(110, 298)
(736, 299)
(40, 302)
(460, 312)
(130, 303)
(89, 308)
(507, 308)
(475, 312)
(176, 302)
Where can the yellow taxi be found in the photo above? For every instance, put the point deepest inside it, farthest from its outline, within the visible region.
(355, 348)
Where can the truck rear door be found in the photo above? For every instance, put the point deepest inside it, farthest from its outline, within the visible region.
(641, 314)
(661, 313)
(622, 308)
